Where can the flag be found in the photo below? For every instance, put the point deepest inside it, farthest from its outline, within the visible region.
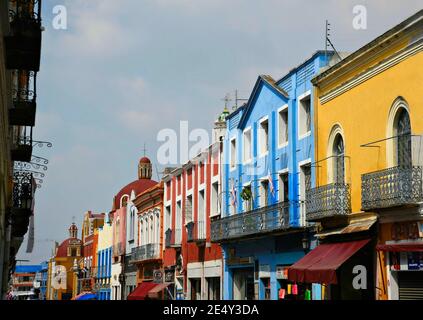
(271, 187)
(233, 195)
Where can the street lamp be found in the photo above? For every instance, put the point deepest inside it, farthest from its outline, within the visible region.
(305, 241)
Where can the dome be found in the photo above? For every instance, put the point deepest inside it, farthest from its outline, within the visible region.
(145, 160)
(137, 186)
(62, 250)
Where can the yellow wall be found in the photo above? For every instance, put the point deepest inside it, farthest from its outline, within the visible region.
(362, 113)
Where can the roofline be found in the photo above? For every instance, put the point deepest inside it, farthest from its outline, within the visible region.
(406, 24)
(301, 65)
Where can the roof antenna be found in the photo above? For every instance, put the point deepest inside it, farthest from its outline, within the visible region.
(328, 42)
(144, 150)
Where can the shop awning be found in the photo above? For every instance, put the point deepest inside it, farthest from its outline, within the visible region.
(141, 292)
(154, 293)
(320, 265)
(401, 247)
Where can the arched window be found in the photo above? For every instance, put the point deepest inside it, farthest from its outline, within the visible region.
(124, 200)
(402, 131)
(338, 152)
(132, 224)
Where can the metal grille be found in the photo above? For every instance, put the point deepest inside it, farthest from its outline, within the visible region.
(391, 187)
(145, 252)
(410, 285)
(196, 231)
(23, 189)
(328, 201)
(271, 218)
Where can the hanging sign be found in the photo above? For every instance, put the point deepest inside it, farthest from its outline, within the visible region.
(281, 273)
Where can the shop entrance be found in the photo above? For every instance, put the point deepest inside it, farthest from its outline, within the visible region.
(195, 288)
(243, 284)
(410, 285)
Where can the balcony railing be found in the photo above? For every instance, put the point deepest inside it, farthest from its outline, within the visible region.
(23, 44)
(255, 222)
(146, 252)
(391, 187)
(196, 231)
(22, 112)
(173, 238)
(23, 195)
(328, 201)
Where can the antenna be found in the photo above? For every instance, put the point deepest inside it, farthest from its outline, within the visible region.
(226, 99)
(328, 42)
(238, 99)
(144, 150)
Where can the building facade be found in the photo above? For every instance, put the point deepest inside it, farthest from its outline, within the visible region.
(369, 183)
(104, 260)
(23, 280)
(268, 152)
(192, 198)
(20, 50)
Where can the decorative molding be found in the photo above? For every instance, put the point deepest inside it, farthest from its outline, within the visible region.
(372, 72)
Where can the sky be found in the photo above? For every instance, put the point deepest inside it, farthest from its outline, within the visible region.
(124, 70)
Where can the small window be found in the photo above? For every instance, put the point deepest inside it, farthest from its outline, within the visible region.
(264, 136)
(233, 153)
(247, 145)
(283, 187)
(168, 218)
(304, 116)
(215, 199)
(283, 126)
(264, 193)
(188, 209)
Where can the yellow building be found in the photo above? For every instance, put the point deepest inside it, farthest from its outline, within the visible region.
(62, 279)
(369, 126)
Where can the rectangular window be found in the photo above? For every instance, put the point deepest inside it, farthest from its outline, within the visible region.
(188, 209)
(233, 153)
(264, 136)
(168, 218)
(264, 193)
(283, 126)
(304, 116)
(247, 145)
(283, 187)
(215, 200)
(248, 204)
(305, 184)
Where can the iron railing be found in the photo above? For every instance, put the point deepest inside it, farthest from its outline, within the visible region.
(196, 231)
(146, 252)
(23, 189)
(268, 219)
(391, 187)
(328, 201)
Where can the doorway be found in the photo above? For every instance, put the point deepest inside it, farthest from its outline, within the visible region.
(243, 284)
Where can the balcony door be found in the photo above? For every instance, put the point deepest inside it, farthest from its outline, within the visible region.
(339, 160)
(403, 145)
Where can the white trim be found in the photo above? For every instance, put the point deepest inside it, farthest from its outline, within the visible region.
(250, 159)
(302, 197)
(261, 120)
(283, 171)
(372, 72)
(232, 168)
(299, 99)
(283, 108)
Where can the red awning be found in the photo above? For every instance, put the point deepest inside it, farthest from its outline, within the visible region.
(403, 247)
(141, 292)
(154, 293)
(320, 265)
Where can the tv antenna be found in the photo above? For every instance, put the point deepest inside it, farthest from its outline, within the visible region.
(328, 42)
(238, 99)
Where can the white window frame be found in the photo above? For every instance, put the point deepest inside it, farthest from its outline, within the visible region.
(280, 110)
(280, 173)
(250, 158)
(232, 162)
(300, 195)
(259, 136)
(299, 99)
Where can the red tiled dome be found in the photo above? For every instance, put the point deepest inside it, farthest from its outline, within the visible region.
(145, 160)
(138, 186)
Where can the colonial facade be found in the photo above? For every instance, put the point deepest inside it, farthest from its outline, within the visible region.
(368, 196)
(268, 152)
(192, 198)
(20, 50)
(104, 260)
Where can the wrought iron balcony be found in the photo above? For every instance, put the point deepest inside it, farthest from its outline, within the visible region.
(22, 112)
(173, 238)
(328, 201)
(392, 187)
(272, 218)
(146, 252)
(21, 149)
(23, 197)
(196, 232)
(23, 44)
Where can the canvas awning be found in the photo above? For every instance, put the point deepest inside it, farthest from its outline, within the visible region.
(320, 265)
(154, 293)
(401, 247)
(141, 292)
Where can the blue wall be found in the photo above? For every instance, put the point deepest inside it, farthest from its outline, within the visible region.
(104, 270)
(266, 101)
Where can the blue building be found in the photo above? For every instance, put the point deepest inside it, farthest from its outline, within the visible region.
(104, 260)
(41, 277)
(268, 153)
